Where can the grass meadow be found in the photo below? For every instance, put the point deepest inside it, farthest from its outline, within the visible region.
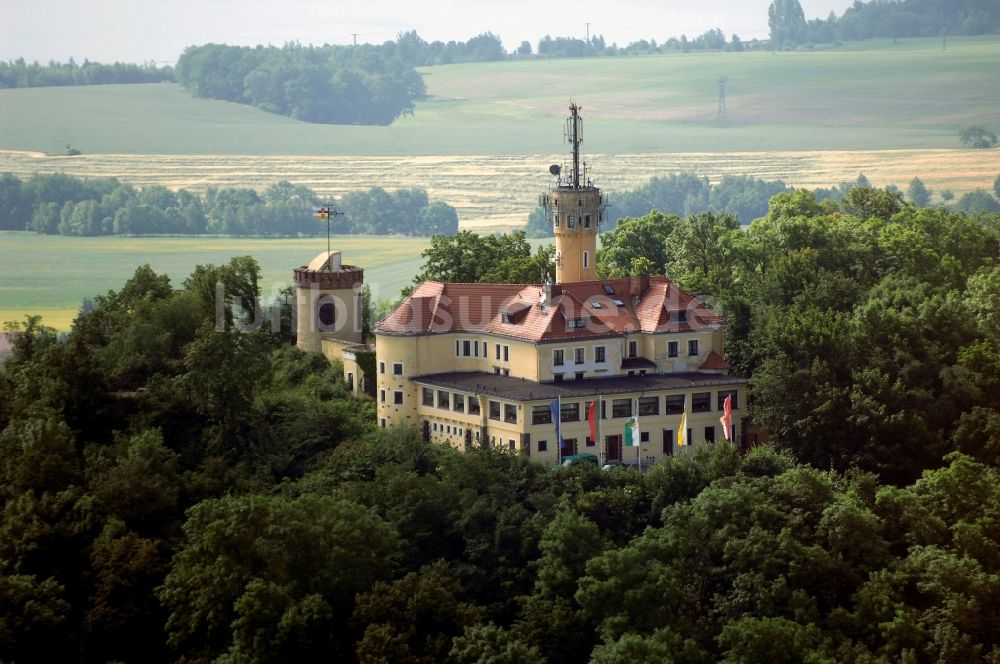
(50, 275)
(868, 95)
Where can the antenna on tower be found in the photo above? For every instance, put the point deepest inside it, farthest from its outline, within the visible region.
(574, 133)
(722, 118)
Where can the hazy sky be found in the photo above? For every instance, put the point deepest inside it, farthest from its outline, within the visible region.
(158, 30)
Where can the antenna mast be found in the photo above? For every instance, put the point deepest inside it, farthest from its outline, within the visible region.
(574, 129)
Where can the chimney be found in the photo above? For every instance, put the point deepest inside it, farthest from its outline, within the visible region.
(550, 291)
(638, 286)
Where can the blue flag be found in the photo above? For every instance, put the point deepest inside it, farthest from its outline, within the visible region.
(554, 409)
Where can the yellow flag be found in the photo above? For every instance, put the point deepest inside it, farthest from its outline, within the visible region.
(682, 431)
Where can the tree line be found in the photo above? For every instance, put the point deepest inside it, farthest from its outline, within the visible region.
(65, 205)
(748, 198)
(325, 84)
(21, 74)
(174, 489)
(881, 18)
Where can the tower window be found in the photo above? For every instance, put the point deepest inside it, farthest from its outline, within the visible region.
(555, 219)
(586, 259)
(327, 314)
(570, 221)
(586, 221)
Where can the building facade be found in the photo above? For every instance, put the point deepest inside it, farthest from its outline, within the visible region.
(562, 368)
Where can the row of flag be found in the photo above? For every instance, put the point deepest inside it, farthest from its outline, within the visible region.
(631, 434)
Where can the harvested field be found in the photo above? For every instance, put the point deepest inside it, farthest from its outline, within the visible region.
(491, 191)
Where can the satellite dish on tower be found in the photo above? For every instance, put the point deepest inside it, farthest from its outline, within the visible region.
(555, 169)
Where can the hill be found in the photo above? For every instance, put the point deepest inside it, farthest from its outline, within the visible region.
(872, 95)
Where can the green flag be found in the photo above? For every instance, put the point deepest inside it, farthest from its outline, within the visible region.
(632, 431)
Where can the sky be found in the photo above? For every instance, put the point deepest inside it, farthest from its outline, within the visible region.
(159, 30)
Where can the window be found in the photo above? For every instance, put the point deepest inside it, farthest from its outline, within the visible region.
(543, 446)
(475, 351)
(672, 350)
(580, 355)
(381, 396)
(693, 347)
(473, 406)
(633, 348)
(590, 442)
(496, 370)
(674, 405)
(458, 403)
(586, 223)
(668, 442)
(557, 357)
(427, 396)
(466, 348)
(643, 436)
(579, 375)
(506, 317)
(506, 372)
(448, 430)
(506, 353)
(494, 410)
(541, 414)
(510, 413)
(586, 259)
(599, 354)
(557, 377)
(649, 405)
(621, 408)
(710, 434)
(498, 351)
(443, 400)
(576, 323)
(701, 402)
(511, 444)
(381, 367)
(570, 221)
(569, 412)
(722, 399)
(327, 314)
(397, 368)
(609, 290)
(678, 316)
(435, 426)
(458, 347)
(350, 381)
(555, 219)
(381, 422)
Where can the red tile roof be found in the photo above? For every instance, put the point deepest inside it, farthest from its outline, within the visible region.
(714, 362)
(647, 304)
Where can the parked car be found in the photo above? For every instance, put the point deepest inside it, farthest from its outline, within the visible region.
(579, 459)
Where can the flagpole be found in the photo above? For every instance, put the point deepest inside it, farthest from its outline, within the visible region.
(559, 441)
(638, 443)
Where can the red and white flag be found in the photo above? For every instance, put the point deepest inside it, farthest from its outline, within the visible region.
(727, 417)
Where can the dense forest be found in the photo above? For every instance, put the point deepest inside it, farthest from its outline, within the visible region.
(64, 205)
(328, 84)
(747, 198)
(21, 74)
(174, 489)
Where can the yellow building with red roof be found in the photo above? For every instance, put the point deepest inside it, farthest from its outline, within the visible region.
(565, 367)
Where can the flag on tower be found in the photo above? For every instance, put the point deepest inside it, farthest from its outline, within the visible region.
(322, 214)
(727, 416)
(682, 430)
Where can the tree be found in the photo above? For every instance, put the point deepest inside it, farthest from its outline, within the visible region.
(977, 136)
(634, 238)
(787, 21)
(524, 49)
(918, 194)
(266, 578)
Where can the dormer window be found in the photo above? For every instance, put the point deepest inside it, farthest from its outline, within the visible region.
(576, 323)
(507, 318)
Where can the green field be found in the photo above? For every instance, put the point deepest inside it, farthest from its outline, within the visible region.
(51, 275)
(868, 95)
